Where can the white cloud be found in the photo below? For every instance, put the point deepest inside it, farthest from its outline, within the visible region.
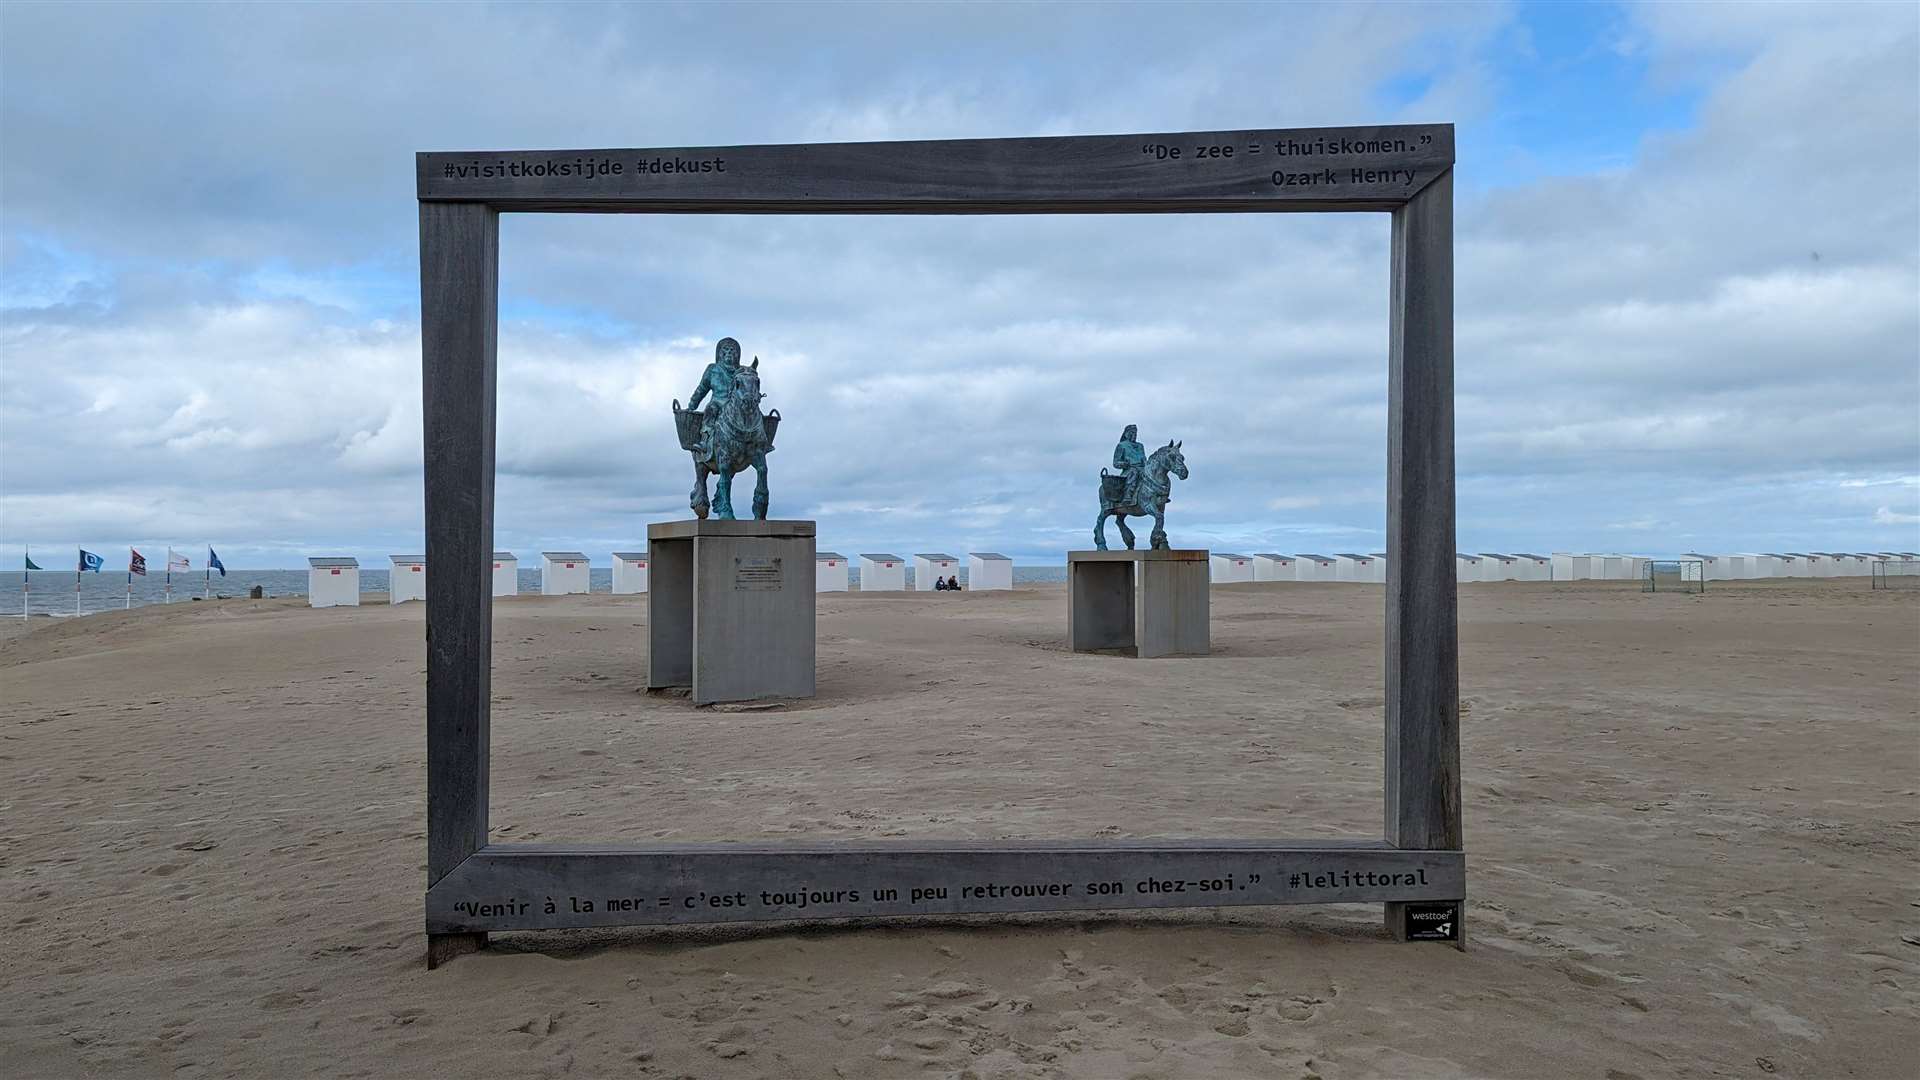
(210, 282)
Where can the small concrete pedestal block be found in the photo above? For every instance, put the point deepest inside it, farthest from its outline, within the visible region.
(1152, 602)
(730, 609)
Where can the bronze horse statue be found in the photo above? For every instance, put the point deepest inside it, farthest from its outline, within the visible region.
(730, 437)
(1148, 498)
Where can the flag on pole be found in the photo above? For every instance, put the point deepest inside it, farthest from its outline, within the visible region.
(90, 561)
(213, 562)
(30, 563)
(177, 561)
(137, 563)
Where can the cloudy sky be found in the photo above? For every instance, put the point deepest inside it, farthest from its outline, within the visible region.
(1688, 298)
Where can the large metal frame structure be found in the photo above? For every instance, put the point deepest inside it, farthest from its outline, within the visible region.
(1416, 868)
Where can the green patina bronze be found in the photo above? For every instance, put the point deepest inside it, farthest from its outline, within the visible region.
(731, 436)
(1140, 489)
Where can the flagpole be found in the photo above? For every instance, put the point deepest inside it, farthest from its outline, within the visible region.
(76, 592)
(129, 585)
(26, 588)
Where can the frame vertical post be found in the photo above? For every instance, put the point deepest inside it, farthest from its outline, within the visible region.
(459, 292)
(1423, 649)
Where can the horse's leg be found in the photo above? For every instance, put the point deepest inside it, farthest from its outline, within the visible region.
(723, 494)
(760, 489)
(698, 500)
(1100, 531)
(1159, 538)
(1126, 534)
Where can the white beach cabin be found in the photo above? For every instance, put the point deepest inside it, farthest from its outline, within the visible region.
(1532, 567)
(989, 570)
(882, 573)
(829, 571)
(408, 579)
(1465, 567)
(506, 574)
(1714, 566)
(1348, 566)
(1226, 568)
(1270, 566)
(1568, 566)
(1314, 568)
(1379, 567)
(562, 573)
(1497, 567)
(929, 567)
(1864, 560)
(629, 572)
(333, 582)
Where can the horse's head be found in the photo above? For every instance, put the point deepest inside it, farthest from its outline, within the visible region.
(746, 388)
(1170, 459)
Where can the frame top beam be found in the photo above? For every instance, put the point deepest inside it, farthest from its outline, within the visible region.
(1249, 170)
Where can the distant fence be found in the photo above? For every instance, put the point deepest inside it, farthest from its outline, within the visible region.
(1896, 573)
(1675, 575)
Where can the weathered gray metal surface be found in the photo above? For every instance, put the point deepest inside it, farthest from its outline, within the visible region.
(1403, 169)
(688, 528)
(1350, 168)
(1423, 677)
(1153, 601)
(509, 887)
(670, 610)
(1099, 605)
(1173, 611)
(732, 608)
(1423, 652)
(459, 284)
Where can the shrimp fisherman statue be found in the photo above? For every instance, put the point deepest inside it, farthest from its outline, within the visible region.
(731, 436)
(1141, 488)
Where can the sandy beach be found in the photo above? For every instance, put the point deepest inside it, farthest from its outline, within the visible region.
(1691, 822)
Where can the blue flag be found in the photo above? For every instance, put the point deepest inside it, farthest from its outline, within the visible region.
(90, 561)
(213, 562)
(30, 563)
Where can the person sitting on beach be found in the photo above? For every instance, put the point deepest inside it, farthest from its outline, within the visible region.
(940, 584)
(953, 584)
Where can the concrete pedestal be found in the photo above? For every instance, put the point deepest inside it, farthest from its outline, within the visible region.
(1151, 602)
(730, 609)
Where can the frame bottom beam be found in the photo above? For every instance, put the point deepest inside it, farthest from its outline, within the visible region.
(537, 886)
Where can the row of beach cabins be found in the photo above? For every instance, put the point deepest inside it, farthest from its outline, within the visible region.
(335, 581)
(1559, 566)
